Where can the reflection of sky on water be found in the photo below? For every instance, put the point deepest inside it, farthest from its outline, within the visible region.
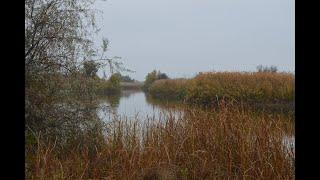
(131, 104)
(289, 144)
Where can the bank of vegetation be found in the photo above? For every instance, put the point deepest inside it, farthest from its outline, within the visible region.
(239, 87)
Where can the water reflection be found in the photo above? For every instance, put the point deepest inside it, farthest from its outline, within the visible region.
(134, 104)
(289, 144)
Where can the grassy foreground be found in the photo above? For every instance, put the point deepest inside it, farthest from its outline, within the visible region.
(229, 143)
(208, 88)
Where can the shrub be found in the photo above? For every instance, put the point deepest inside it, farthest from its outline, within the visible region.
(110, 86)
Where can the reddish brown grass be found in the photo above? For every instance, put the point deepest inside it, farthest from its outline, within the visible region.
(229, 143)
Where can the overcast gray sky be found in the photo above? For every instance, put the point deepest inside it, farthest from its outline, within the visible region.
(183, 37)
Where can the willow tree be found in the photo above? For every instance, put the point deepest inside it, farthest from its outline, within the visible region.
(58, 40)
(57, 34)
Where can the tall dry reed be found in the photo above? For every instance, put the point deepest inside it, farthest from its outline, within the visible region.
(229, 143)
(208, 88)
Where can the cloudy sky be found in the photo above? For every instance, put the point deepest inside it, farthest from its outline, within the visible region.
(183, 37)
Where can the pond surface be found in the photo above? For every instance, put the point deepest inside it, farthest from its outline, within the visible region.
(135, 104)
(289, 144)
(131, 104)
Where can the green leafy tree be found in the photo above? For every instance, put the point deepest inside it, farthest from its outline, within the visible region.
(114, 83)
(153, 76)
(90, 68)
(125, 78)
(162, 76)
(150, 78)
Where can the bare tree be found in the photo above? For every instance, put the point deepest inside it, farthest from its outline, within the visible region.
(114, 64)
(57, 34)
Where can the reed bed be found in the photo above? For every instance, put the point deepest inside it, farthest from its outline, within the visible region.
(173, 89)
(208, 88)
(229, 143)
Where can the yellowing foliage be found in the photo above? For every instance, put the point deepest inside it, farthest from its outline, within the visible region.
(207, 88)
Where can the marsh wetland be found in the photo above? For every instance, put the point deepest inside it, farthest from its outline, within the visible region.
(86, 117)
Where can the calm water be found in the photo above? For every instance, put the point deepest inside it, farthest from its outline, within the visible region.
(131, 104)
(289, 144)
(134, 104)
